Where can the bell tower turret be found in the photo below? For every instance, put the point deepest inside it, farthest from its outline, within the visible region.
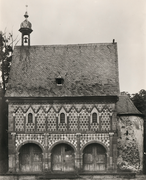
(25, 29)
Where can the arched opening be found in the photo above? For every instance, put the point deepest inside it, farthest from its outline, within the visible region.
(30, 118)
(30, 158)
(63, 158)
(94, 158)
(94, 117)
(62, 118)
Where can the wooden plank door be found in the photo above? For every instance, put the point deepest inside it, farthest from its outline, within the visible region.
(94, 158)
(63, 158)
(30, 158)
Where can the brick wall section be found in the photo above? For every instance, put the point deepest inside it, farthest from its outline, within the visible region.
(87, 70)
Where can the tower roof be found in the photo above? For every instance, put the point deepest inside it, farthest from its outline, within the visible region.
(25, 25)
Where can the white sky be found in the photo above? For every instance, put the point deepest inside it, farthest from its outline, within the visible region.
(87, 21)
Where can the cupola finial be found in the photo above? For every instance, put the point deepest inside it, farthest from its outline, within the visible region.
(26, 14)
(25, 29)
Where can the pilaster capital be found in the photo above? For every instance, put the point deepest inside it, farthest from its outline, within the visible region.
(46, 134)
(111, 133)
(13, 133)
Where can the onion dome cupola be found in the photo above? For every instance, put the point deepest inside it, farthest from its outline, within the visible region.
(25, 29)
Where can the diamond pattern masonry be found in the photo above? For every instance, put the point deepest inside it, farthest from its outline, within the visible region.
(19, 120)
(103, 138)
(53, 138)
(22, 138)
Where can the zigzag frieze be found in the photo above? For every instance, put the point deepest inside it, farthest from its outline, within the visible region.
(67, 107)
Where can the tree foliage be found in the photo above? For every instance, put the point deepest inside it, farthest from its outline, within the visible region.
(139, 100)
(6, 45)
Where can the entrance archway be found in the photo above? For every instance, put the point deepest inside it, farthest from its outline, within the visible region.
(63, 158)
(30, 158)
(94, 158)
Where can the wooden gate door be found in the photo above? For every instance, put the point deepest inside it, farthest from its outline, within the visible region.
(63, 158)
(30, 158)
(94, 158)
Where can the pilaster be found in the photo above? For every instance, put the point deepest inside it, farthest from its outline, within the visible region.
(78, 155)
(48, 153)
(45, 154)
(12, 160)
(17, 162)
(111, 134)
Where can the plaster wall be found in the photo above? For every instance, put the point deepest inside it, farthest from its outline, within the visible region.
(130, 143)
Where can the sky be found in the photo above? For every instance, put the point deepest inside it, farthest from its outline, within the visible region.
(87, 21)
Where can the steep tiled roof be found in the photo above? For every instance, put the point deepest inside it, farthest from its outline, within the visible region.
(126, 106)
(87, 70)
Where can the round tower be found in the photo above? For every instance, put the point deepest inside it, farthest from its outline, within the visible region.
(25, 29)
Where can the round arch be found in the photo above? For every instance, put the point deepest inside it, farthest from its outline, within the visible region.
(30, 158)
(94, 156)
(95, 142)
(62, 142)
(63, 157)
(27, 142)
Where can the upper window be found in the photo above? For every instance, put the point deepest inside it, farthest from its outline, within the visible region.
(62, 118)
(94, 117)
(30, 118)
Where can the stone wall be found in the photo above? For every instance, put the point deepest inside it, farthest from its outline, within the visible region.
(130, 143)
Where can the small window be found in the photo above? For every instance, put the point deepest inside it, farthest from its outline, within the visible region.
(59, 81)
(30, 118)
(94, 118)
(62, 118)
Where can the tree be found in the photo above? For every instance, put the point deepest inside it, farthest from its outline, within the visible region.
(6, 50)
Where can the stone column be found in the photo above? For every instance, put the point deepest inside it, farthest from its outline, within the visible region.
(17, 162)
(78, 154)
(12, 160)
(111, 151)
(49, 161)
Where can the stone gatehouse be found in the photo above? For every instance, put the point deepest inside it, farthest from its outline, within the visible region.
(65, 111)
